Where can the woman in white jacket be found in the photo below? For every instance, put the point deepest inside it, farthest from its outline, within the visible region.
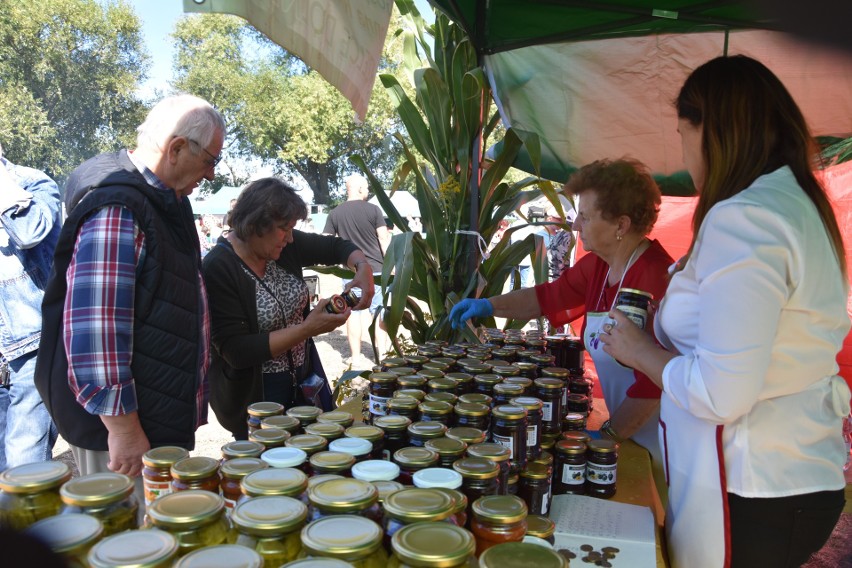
(751, 324)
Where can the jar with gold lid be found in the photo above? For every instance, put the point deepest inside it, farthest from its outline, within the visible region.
(601, 466)
(525, 382)
(30, 492)
(521, 553)
(484, 383)
(270, 526)
(407, 406)
(344, 497)
(382, 387)
(498, 519)
(285, 458)
(509, 428)
(387, 488)
(317, 479)
(570, 472)
(270, 437)
(260, 410)
(541, 526)
(504, 392)
(413, 505)
(412, 459)
(527, 370)
(441, 396)
(415, 381)
(535, 488)
(341, 417)
(460, 504)
(549, 391)
(221, 556)
(329, 430)
(198, 472)
(195, 518)
(479, 477)
(70, 536)
(308, 443)
(432, 371)
(475, 397)
(396, 433)
(389, 363)
(135, 549)
(467, 434)
(499, 454)
(404, 371)
(304, 414)
(371, 433)
(436, 411)
(415, 361)
(281, 482)
(242, 449)
(350, 538)
(338, 463)
(233, 472)
(414, 393)
(419, 432)
(284, 422)
(156, 471)
(427, 545)
(573, 421)
(448, 450)
(544, 361)
(106, 496)
(563, 375)
(533, 407)
(464, 382)
(443, 384)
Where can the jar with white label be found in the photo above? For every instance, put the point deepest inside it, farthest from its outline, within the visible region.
(601, 464)
(509, 428)
(549, 391)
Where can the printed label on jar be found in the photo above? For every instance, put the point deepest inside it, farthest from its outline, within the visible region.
(573, 474)
(229, 505)
(565, 391)
(636, 315)
(379, 405)
(506, 441)
(547, 412)
(154, 489)
(532, 435)
(600, 474)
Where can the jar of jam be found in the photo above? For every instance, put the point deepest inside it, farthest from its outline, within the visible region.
(271, 527)
(404, 371)
(448, 450)
(373, 434)
(344, 497)
(415, 381)
(444, 384)
(477, 368)
(484, 383)
(282, 482)
(578, 404)
(498, 519)
(512, 484)
(69, 536)
(464, 382)
(509, 428)
(524, 382)
(155, 549)
(479, 477)
(308, 443)
(561, 374)
(396, 433)
(413, 459)
(437, 477)
(448, 362)
(529, 554)
(350, 538)
(106, 496)
(460, 506)
(415, 361)
(573, 421)
(407, 406)
(577, 436)
(415, 545)
(260, 410)
(467, 435)
(543, 361)
(419, 432)
(195, 519)
(473, 414)
(328, 430)
(30, 492)
(156, 471)
(270, 437)
(338, 463)
(526, 370)
(475, 397)
(434, 366)
(533, 407)
(285, 457)
(634, 303)
(241, 449)
(221, 556)
(439, 396)
(601, 465)
(233, 472)
(581, 384)
(389, 363)
(436, 412)
(541, 527)
(504, 392)
(569, 476)
(375, 470)
(358, 448)
(499, 454)
(287, 423)
(535, 488)
(417, 394)
(382, 387)
(549, 391)
(414, 505)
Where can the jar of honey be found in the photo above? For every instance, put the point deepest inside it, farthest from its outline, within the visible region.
(198, 472)
(343, 418)
(285, 458)
(106, 496)
(358, 448)
(498, 519)
(271, 527)
(193, 517)
(30, 492)
(375, 470)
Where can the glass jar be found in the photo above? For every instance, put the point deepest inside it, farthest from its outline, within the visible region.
(241, 449)
(304, 414)
(419, 432)
(570, 473)
(499, 454)
(427, 545)
(505, 370)
(283, 422)
(156, 471)
(387, 488)
(483, 383)
(233, 472)
(467, 435)
(195, 518)
(281, 482)
(199, 472)
(509, 428)
(524, 553)
(573, 421)
(475, 397)
(373, 434)
(396, 433)
(563, 375)
(498, 519)
(436, 411)
(270, 437)
(344, 497)
(414, 505)
(443, 364)
(106, 496)
(578, 404)
(359, 448)
(415, 361)
(541, 526)
(413, 459)
(525, 382)
(543, 360)
(479, 477)
(407, 406)
(338, 463)
(382, 387)
(415, 381)
(549, 391)
(533, 407)
(308, 443)
(437, 477)
(512, 484)
(475, 368)
(389, 363)
(528, 371)
(30, 492)
(438, 396)
(345, 419)
(375, 470)
(414, 393)
(535, 488)
(443, 384)
(130, 549)
(460, 503)
(221, 556)
(428, 350)
(473, 414)
(329, 430)
(448, 450)
(260, 410)
(504, 392)
(464, 382)
(271, 526)
(286, 457)
(581, 385)
(576, 436)
(601, 465)
(70, 536)
(432, 370)
(350, 538)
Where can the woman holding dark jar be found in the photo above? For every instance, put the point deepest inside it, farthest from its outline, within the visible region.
(752, 322)
(618, 202)
(259, 304)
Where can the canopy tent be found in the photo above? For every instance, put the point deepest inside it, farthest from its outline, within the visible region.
(218, 203)
(405, 203)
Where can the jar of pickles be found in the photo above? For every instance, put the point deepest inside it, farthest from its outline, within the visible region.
(270, 437)
(427, 545)
(467, 435)
(328, 430)
(221, 556)
(396, 433)
(152, 549)
(344, 497)
(195, 518)
(533, 407)
(419, 432)
(570, 473)
(106, 496)
(304, 414)
(535, 488)
(30, 492)
(156, 471)
(198, 472)
(413, 459)
(70, 536)
(509, 428)
(415, 505)
(233, 472)
(339, 463)
(373, 434)
(601, 465)
(353, 539)
(499, 454)
(448, 450)
(281, 482)
(407, 406)
(260, 410)
(287, 423)
(479, 477)
(523, 553)
(541, 527)
(271, 526)
(549, 391)
(498, 519)
(308, 443)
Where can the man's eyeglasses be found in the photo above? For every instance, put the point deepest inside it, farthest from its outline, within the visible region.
(213, 161)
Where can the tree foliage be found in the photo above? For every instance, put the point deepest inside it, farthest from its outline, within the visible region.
(69, 70)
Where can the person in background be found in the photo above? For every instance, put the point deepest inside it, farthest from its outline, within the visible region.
(260, 304)
(30, 221)
(560, 245)
(124, 353)
(364, 224)
(750, 327)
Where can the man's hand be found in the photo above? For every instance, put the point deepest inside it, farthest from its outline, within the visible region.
(127, 443)
(470, 308)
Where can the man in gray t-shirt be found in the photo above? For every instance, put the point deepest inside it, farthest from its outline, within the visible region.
(364, 224)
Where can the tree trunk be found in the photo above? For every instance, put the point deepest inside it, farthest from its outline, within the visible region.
(319, 178)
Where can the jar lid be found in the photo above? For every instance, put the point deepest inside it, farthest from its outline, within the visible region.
(310, 443)
(545, 458)
(444, 360)
(549, 383)
(574, 417)
(284, 457)
(509, 412)
(356, 447)
(433, 477)
(435, 407)
(386, 488)
(185, 509)
(238, 468)
(343, 495)
(221, 556)
(536, 470)
(446, 446)
(335, 460)
(304, 413)
(540, 526)
(98, 489)
(560, 372)
(488, 379)
(441, 396)
(492, 450)
(476, 368)
(328, 430)
(523, 381)
(542, 358)
(269, 437)
(476, 468)
(269, 516)
(393, 422)
(264, 409)
(466, 434)
(603, 446)
(510, 389)
(418, 504)
(524, 366)
(459, 498)
(413, 393)
(286, 481)
(451, 352)
(414, 456)
(527, 402)
(576, 436)
(135, 548)
(341, 417)
(402, 371)
(505, 370)
(242, 449)
(427, 429)
(521, 555)
(403, 402)
(415, 360)
(371, 433)
(393, 362)
(432, 370)
(571, 447)
(375, 470)
(67, 533)
(34, 477)
(382, 378)
(164, 456)
(288, 423)
(500, 508)
(548, 441)
(347, 537)
(318, 563)
(460, 378)
(444, 383)
(475, 398)
(415, 380)
(427, 544)
(315, 480)
(648, 295)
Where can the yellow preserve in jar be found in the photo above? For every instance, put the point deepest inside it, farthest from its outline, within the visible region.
(195, 518)
(106, 496)
(221, 556)
(71, 536)
(428, 545)
(271, 526)
(30, 492)
(355, 539)
(135, 549)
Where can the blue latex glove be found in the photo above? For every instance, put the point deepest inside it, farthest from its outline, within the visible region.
(470, 308)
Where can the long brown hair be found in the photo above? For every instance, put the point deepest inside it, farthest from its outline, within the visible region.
(751, 127)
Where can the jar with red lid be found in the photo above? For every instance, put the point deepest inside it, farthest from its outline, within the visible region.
(577, 436)
(601, 466)
(498, 519)
(569, 476)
